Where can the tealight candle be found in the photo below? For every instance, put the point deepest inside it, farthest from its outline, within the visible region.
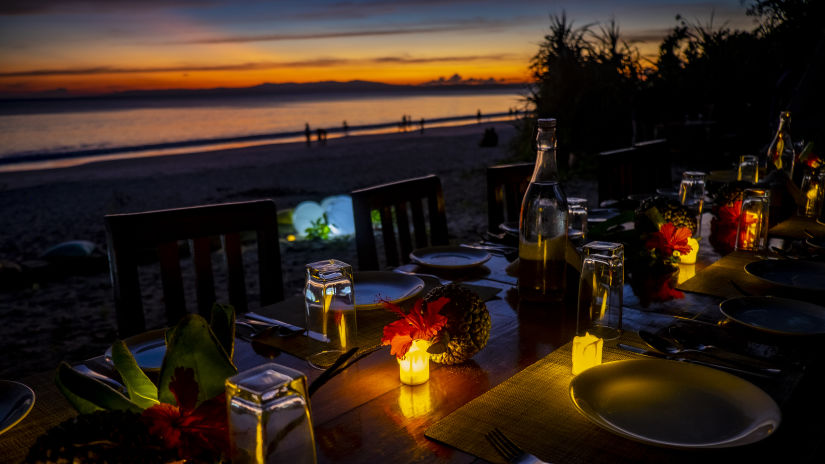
(587, 352)
(690, 258)
(414, 367)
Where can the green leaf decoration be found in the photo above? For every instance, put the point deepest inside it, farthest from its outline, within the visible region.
(88, 395)
(437, 348)
(222, 323)
(142, 391)
(655, 217)
(191, 344)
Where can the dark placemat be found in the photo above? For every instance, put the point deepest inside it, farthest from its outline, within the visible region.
(533, 408)
(716, 279)
(795, 227)
(370, 325)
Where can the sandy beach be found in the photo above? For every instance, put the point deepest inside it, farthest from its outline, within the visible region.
(71, 316)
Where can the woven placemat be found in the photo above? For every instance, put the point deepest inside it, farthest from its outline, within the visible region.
(533, 408)
(795, 227)
(370, 326)
(716, 279)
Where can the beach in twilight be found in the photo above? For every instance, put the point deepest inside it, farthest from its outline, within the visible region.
(69, 315)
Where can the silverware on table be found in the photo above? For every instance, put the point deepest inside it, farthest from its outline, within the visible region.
(284, 329)
(673, 347)
(714, 365)
(511, 452)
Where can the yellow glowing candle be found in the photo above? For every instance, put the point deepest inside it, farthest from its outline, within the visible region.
(415, 365)
(686, 271)
(587, 352)
(690, 258)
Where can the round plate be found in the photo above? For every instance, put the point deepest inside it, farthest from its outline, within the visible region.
(372, 287)
(674, 404)
(816, 242)
(601, 214)
(16, 401)
(449, 257)
(148, 348)
(806, 275)
(776, 315)
(509, 227)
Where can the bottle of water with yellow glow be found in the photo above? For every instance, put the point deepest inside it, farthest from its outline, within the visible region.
(543, 225)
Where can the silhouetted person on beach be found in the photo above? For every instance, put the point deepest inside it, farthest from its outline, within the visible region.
(346, 128)
(478, 116)
(322, 136)
(422, 125)
(308, 134)
(403, 123)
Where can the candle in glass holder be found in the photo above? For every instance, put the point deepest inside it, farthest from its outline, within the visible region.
(752, 230)
(414, 367)
(587, 352)
(690, 258)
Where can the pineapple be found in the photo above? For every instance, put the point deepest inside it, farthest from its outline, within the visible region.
(468, 323)
(669, 210)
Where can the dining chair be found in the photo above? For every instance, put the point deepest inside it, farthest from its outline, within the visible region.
(129, 235)
(506, 185)
(639, 169)
(395, 203)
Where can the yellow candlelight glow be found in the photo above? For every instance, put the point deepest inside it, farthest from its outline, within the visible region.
(587, 352)
(690, 258)
(753, 222)
(415, 401)
(686, 271)
(811, 198)
(415, 365)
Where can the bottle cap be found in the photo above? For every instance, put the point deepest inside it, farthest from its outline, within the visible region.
(549, 123)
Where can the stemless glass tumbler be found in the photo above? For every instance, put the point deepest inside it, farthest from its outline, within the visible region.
(577, 219)
(329, 296)
(692, 195)
(748, 169)
(601, 289)
(752, 229)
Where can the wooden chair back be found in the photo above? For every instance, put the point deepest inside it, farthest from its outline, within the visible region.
(641, 168)
(129, 235)
(506, 185)
(399, 205)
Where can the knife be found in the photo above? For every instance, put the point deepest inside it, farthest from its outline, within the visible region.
(254, 317)
(656, 354)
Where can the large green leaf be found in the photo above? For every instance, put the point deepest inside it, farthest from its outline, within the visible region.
(142, 391)
(89, 395)
(222, 324)
(191, 344)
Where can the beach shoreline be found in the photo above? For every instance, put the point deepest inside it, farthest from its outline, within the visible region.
(71, 317)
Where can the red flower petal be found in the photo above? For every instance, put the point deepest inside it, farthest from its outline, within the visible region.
(184, 387)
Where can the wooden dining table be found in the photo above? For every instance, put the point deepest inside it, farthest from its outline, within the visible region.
(365, 414)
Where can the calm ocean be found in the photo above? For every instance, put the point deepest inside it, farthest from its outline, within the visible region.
(72, 131)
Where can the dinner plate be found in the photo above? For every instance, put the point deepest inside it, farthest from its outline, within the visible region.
(148, 348)
(674, 404)
(509, 227)
(797, 273)
(449, 257)
(372, 287)
(777, 315)
(601, 214)
(816, 242)
(16, 400)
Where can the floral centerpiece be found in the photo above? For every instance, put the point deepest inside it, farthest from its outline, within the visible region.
(412, 336)
(182, 416)
(662, 241)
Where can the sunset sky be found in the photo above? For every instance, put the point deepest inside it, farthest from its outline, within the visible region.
(101, 46)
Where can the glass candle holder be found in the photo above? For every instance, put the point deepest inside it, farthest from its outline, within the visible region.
(748, 169)
(414, 367)
(692, 196)
(587, 352)
(752, 229)
(813, 194)
(269, 416)
(690, 258)
(601, 289)
(329, 297)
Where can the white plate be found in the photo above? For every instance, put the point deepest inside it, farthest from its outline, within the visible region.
(372, 287)
(16, 401)
(449, 257)
(776, 315)
(674, 404)
(148, 348)
(796, 273)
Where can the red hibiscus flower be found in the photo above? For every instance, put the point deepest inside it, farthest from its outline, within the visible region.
(194, 430)
(418, 324)
(669, 239)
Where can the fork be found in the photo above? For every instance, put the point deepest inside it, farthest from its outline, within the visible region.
(509, 450)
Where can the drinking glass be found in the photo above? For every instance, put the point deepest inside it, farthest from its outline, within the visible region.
(269, 416)
(601, 290)
(813, 194)
(748, 170)
(752, 229)
(577, 219)
(692, 196)
(330, 308)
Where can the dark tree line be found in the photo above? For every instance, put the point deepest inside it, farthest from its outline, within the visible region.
(726, 85)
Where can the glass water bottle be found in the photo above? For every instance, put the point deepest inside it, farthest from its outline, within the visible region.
(543, 225)
(781, 155)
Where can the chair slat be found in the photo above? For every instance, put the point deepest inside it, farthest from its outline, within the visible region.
(205, 279)
(234, 266)
(404, 238)
(269, 264)
(387, 227)
(170, 275)
(419, 224)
